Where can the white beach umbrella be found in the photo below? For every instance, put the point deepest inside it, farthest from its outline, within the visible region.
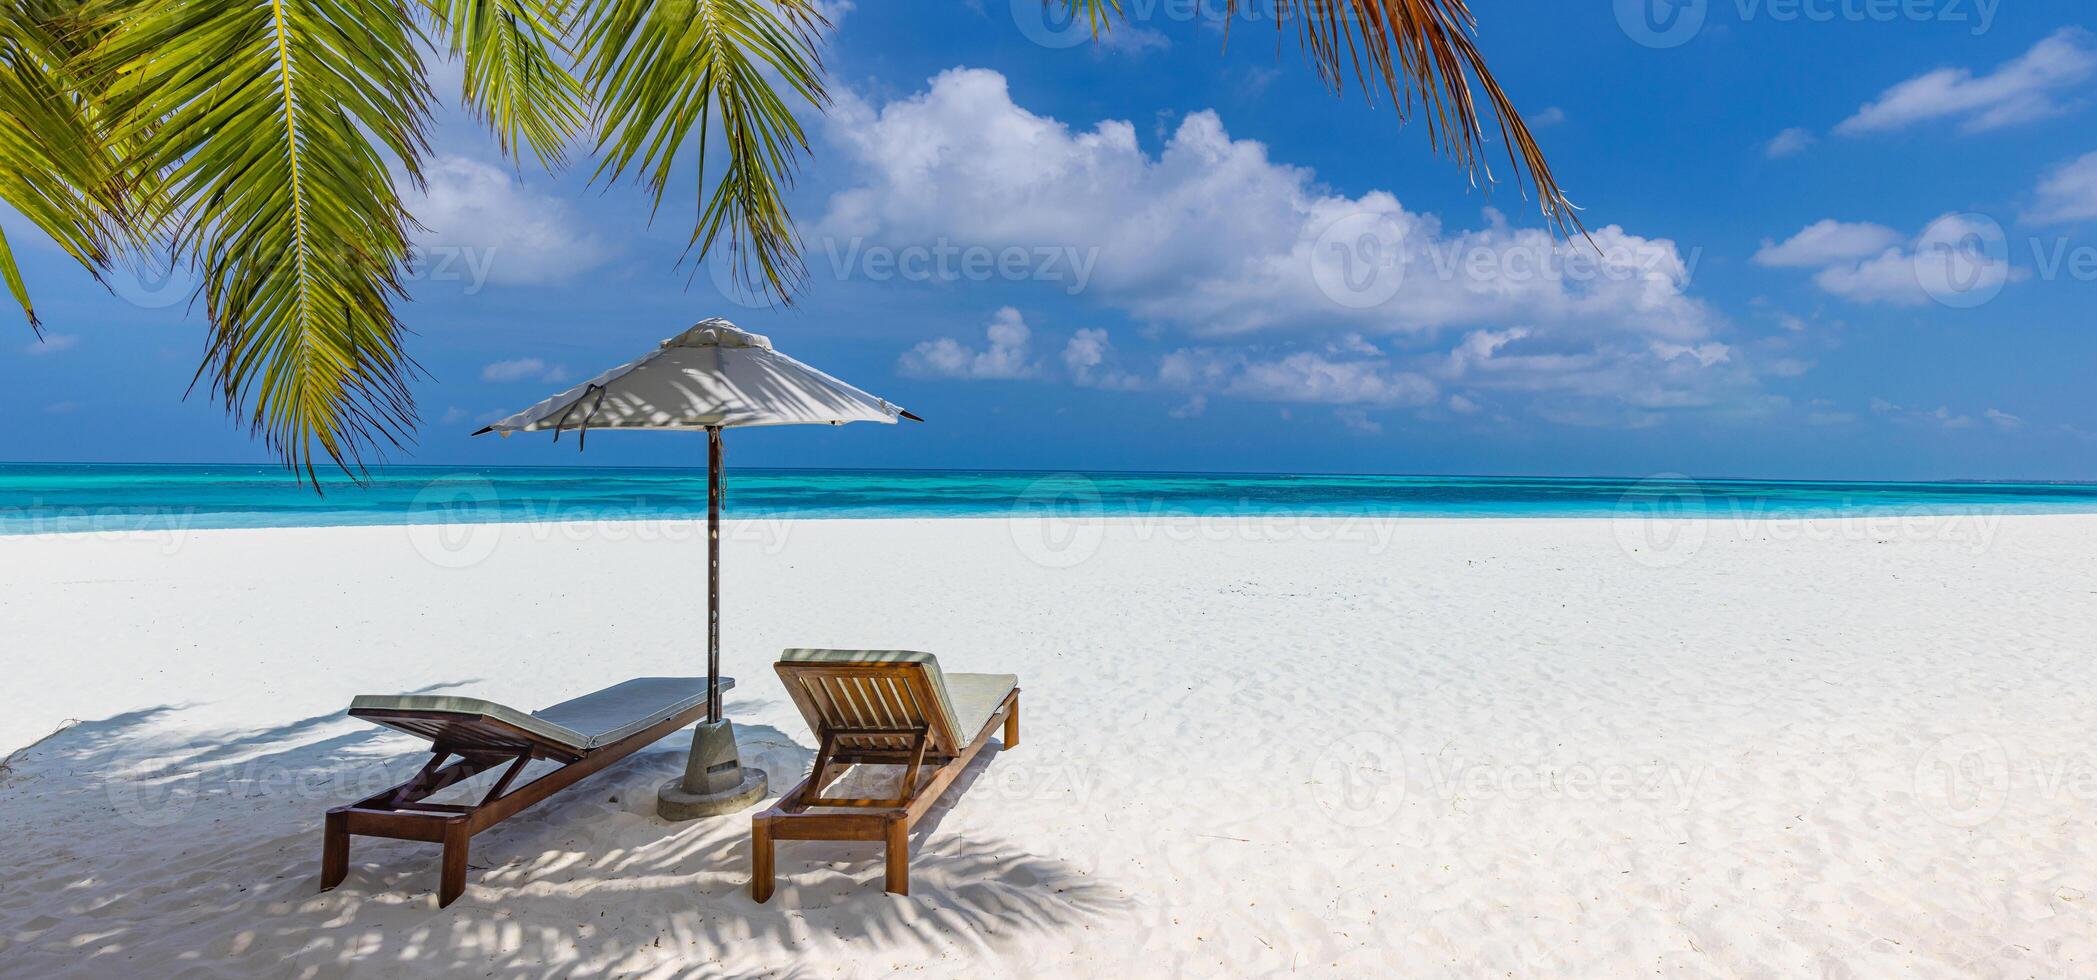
(711, 377)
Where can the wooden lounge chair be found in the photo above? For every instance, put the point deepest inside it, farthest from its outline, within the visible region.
(583, 735)
(879, 707)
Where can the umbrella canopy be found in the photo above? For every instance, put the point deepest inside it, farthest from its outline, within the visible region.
(713, 376)
(708, 378)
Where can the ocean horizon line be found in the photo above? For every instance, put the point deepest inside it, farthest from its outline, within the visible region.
(343, 480)
(61, 498)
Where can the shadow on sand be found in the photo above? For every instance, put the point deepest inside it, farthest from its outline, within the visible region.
(131, 844)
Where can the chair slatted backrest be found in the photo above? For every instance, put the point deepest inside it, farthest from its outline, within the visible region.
(873, 704)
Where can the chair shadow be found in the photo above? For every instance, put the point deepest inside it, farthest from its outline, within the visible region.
(128, 840)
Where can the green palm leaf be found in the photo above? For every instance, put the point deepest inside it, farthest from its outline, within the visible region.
(273, 122)
(515, 54)
(57, 165)
(664, 69)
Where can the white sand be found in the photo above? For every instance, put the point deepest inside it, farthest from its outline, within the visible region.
(1480, 747)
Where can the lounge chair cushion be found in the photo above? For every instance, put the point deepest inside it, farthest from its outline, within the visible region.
(582, 724)
(976, 697)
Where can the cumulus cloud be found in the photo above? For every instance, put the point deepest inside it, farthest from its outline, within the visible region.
(1826, 242)
(2068, 193)
(524, 369)
(1790, 142)
(1089, 357)
(1958, 260)
(1329, 298)
(1214, 236)
(1005, 356)
(2029, 87)
(1644, 375)
(1305, 376)
(482, 224)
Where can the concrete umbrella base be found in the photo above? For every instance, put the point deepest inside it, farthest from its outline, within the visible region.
(715, 782)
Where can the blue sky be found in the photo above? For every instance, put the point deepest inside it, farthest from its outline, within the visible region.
(1834, 238)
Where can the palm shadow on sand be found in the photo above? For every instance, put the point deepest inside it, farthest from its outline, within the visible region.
(130, 843)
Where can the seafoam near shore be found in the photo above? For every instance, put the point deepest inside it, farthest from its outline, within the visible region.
(1858, 747)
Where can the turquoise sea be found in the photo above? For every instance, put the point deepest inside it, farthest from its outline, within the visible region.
(45, 498)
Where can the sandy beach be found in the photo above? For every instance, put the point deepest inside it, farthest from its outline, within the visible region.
(1523, 747)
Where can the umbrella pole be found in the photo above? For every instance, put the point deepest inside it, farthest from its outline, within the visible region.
(715, 781)
(713, 573)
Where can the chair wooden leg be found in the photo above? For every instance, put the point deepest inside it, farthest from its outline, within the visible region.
(453, 882)
(334, 851)
(761, 876)
(1012, 724)
(898, 856)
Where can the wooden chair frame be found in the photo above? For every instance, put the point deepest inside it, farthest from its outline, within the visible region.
(854, 690)
(404, 813)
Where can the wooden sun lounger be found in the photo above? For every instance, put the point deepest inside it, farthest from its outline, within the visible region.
(879, 707)
(584, 735)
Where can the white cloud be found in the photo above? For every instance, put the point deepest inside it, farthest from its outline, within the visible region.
(1005, 357)
(1193, 407)
(1943, 417)
(1090, 357)
(1572, 380)
(1297, 376)
(62, 408)
(1357, 420)
(51, 343)
(1549, 116)
(1309, 377)
(482, 224)
(524, 369)
(1215, 237)
(1705, 354)
(1463, 406)
(1959, 260)
(2026, 88)
(1127, 38)
(1827, 242)
(1790, 142)
(2068, 193)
